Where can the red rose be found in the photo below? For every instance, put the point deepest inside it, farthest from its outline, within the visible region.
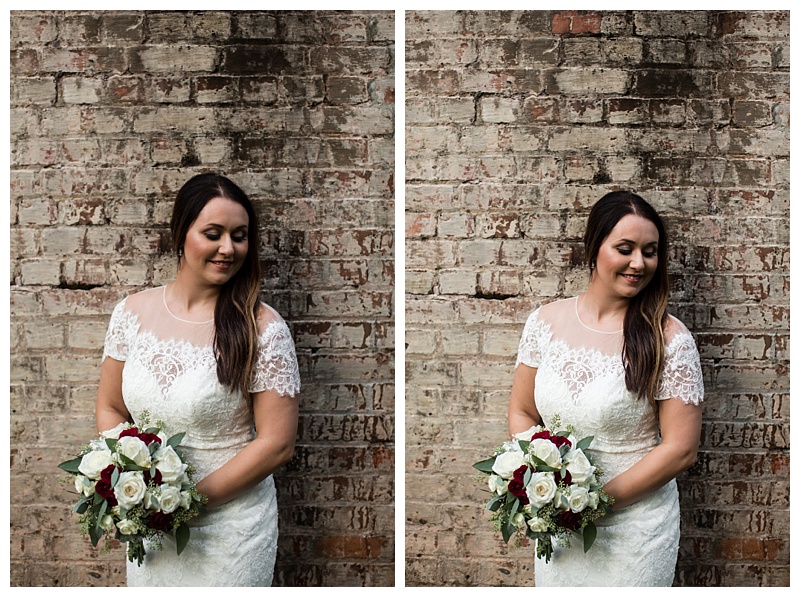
(155, 478)
(517, 488)
(519, 474)
(558, 440)
(569, 519)
(149, 438)
(103, 486)
(566, 477)
(132, 432)
(160, 521)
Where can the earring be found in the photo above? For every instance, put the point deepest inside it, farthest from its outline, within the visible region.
(592, 265)
(180, 253)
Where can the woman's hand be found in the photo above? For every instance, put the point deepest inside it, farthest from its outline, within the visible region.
(522, 412)
(276, 429)
(680, 438)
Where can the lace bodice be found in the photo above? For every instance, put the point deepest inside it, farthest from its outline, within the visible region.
(580, 377)
(170, 372)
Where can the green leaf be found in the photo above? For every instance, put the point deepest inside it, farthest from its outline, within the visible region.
(514, 508)
(114, 477)
(95, 533)
(71, 466)
(523, 445)
(82, 505)
(585, 442)
(495, 503)
(540, 465)
(130, 465)
(182, 536)
(153, 430)
(485, 466)
(589, 535)
(111, 443)
(175, 440)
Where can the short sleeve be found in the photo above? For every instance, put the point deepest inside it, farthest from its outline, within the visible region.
(534, 339)
(119, 333)
(276, 368)
(683, 376)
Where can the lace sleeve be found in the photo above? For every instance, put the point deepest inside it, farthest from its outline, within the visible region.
(118, 335)
(276, 368)
(683, 376)
(532, 342)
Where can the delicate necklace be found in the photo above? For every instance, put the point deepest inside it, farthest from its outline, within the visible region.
(164, 298)
(586, 326)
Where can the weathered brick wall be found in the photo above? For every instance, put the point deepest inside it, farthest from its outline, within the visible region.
(110, 113)
(517, 122)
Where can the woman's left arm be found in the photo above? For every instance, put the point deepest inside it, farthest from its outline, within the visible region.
(276, 429)
(680, 434)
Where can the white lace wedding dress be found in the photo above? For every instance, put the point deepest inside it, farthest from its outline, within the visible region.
(580, 376)
(170, 371)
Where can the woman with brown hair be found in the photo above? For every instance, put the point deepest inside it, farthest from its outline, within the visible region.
(206, 357)
(616, 366)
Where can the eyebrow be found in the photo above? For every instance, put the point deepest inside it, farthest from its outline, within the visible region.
(220, 226)
(630, 242)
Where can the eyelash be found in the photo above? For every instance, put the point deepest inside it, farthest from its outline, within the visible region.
(236, 239)
(628, 252)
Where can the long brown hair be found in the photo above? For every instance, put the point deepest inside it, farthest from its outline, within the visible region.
(236, 311)
(644, 347)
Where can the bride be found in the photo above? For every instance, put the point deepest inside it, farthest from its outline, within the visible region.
(615, 365)
(205, 356)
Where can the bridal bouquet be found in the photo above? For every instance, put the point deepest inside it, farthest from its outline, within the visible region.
(134, 484)
(545, 487)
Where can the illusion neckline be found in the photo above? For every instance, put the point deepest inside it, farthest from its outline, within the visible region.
(587, 327)
(164, 298)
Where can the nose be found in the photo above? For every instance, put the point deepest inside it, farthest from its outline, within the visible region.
(225, 245)
(637, 261)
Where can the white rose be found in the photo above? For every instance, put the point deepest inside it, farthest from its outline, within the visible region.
(518, 520)
(127, 527)
(114, 433)
(130, 489)
(82, 486)
(537, 525)
(170, 498)
(541, 489)
(147, 502)
(578, 498)
(594, 500)
(186, 500)
(93, 463)
(497, 485)
(578, 466)
(547, 452)
(135, 449)
(506, 463)
(107, 522)
(528, 433)
(169, 463)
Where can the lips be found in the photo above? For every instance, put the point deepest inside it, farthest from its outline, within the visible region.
(222, 264)
(633, 278)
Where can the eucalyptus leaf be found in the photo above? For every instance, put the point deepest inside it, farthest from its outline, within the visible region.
(114, 477)
(523, 445)
(485, 466)
(130, 465)
(175, 440)
(585, 442)
(71, 466)
(589, 535)
(182, 536)
(541, 466)
(95, 533)
(111, 443)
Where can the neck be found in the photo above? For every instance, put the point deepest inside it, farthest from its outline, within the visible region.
(192, 299)
(603, 310)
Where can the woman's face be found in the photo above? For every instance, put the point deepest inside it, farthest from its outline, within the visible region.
(216, 243)
(628, 257)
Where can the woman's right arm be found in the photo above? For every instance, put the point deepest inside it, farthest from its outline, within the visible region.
(110, 409)
(522, 411)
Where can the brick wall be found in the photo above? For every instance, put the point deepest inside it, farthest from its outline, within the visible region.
(110, 113)
(517, 122)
